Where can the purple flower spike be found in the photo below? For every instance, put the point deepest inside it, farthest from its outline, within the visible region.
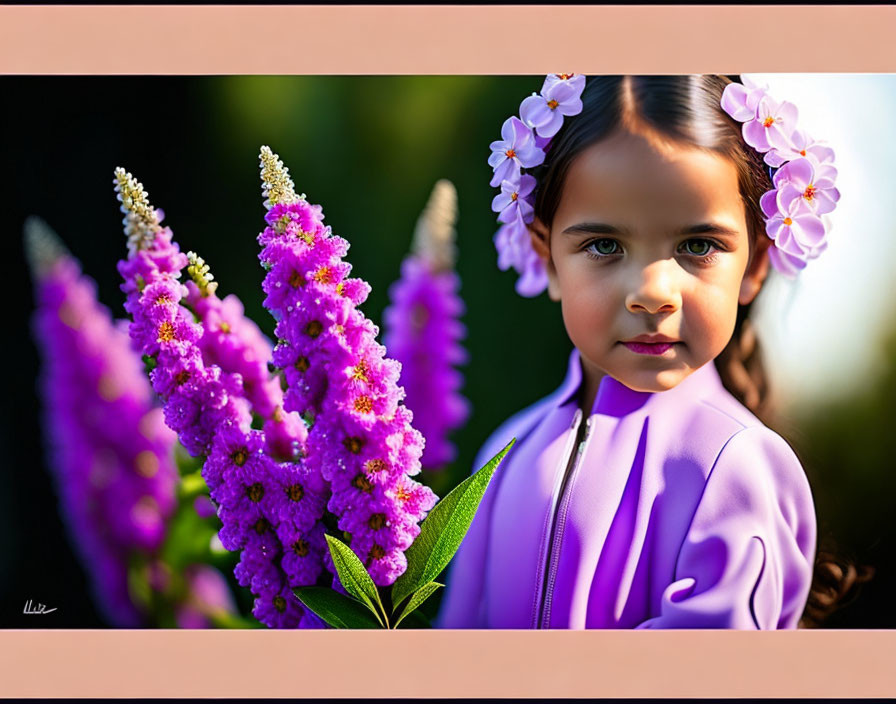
(511, 202)
(772, 127)
(514, 151)
(111, 455)
(282, 609)
(204, 506)
(361, 441)
(423, 329)
(211, 411)
(199, 399)
(234, 343)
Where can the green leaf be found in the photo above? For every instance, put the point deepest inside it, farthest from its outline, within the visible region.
(417, 598)
(354, 577)
(336, 609)
(443, 530)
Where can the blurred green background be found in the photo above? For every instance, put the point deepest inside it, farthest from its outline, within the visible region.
(369, 150)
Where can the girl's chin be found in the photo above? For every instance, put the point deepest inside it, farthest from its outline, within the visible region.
(650, 381)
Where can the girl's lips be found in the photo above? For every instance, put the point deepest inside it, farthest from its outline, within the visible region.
(654, 348)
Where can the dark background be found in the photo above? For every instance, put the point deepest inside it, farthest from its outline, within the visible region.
(369, 149)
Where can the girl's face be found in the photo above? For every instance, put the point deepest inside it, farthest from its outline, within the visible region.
(649, 255)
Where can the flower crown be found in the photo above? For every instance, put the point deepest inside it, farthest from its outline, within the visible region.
(802, 171)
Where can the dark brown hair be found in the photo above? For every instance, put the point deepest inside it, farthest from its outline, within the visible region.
(685, 109)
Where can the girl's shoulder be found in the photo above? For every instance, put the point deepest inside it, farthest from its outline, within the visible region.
(732, 431)
(747, 448)
(723, 403)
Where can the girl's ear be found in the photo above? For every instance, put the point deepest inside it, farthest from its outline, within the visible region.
(541, 243)
(757, 270)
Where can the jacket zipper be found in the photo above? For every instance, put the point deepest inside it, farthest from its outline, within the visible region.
(553, 556)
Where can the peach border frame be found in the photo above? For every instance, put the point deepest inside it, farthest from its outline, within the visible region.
(420, 39)
(74, 40)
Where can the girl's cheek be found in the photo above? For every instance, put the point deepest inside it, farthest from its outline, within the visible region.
(711, 314)
(583, 272)
(586, 313)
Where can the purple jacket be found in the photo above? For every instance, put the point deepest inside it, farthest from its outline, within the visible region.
(678, 509)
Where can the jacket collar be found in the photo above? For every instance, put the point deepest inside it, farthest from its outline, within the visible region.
(616, 399)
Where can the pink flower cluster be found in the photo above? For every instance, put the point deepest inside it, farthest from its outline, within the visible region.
(804, 192)
(361, 441)
(269, 509)
(112, 456)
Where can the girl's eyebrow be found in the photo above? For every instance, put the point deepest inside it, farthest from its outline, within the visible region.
(593, 228)
(708, 228)
(602, 228)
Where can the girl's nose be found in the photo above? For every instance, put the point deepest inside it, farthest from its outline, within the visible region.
(655, 290)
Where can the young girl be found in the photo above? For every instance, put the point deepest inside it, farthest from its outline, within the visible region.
(645, 492)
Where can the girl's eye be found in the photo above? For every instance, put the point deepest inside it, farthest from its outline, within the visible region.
(698, 247)
(602, 247)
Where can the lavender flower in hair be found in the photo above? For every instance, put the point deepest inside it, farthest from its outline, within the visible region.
(423, 330)
(361, 440)
(797, 210)
(112, 455)
(259, 499)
